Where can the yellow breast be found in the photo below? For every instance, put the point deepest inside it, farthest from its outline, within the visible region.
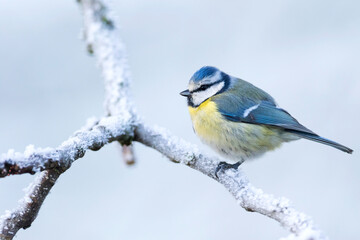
(206, 119)
(232, 139)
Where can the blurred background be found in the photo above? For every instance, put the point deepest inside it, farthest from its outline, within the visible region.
(304, 53)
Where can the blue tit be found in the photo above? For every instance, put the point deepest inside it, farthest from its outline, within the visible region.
(239, 120)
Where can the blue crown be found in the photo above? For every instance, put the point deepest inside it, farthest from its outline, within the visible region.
(204, 72)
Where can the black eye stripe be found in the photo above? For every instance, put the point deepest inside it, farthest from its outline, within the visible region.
(205, 86)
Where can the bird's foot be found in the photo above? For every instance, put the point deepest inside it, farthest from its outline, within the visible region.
(225, 166)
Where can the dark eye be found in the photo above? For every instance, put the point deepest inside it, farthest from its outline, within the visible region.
(203, 87)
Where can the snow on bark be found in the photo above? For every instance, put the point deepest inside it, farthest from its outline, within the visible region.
(55, 162)
(103, 40)
(29, 205)
(33, 160)
(250, 198)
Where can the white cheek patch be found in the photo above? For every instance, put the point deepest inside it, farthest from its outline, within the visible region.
(200, 96)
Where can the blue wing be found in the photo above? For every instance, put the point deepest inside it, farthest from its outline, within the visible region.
(266, 112)
(259, 112)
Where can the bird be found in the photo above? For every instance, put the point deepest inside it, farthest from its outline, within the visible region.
(239, 120)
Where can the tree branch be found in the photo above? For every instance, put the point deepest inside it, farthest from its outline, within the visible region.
(248, 197)
(29, 206)
(180, 151)
(55, 161)
(34, 160)
(104, 41)
(122, 125)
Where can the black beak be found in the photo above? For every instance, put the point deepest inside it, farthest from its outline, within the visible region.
(185, 93)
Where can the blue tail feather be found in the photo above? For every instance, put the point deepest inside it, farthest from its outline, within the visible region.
(316, 138)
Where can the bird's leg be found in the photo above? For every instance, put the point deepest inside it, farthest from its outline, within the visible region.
(225, 166)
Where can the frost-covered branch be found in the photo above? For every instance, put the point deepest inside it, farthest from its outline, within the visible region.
(29, 205)
(33, 160)
(56, 161)
(122, 124)
(250, 198)
(180, 151)
(103, 40)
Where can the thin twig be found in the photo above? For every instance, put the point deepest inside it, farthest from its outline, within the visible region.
(128, 154)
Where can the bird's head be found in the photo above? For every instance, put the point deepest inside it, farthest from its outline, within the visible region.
(205, 83)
